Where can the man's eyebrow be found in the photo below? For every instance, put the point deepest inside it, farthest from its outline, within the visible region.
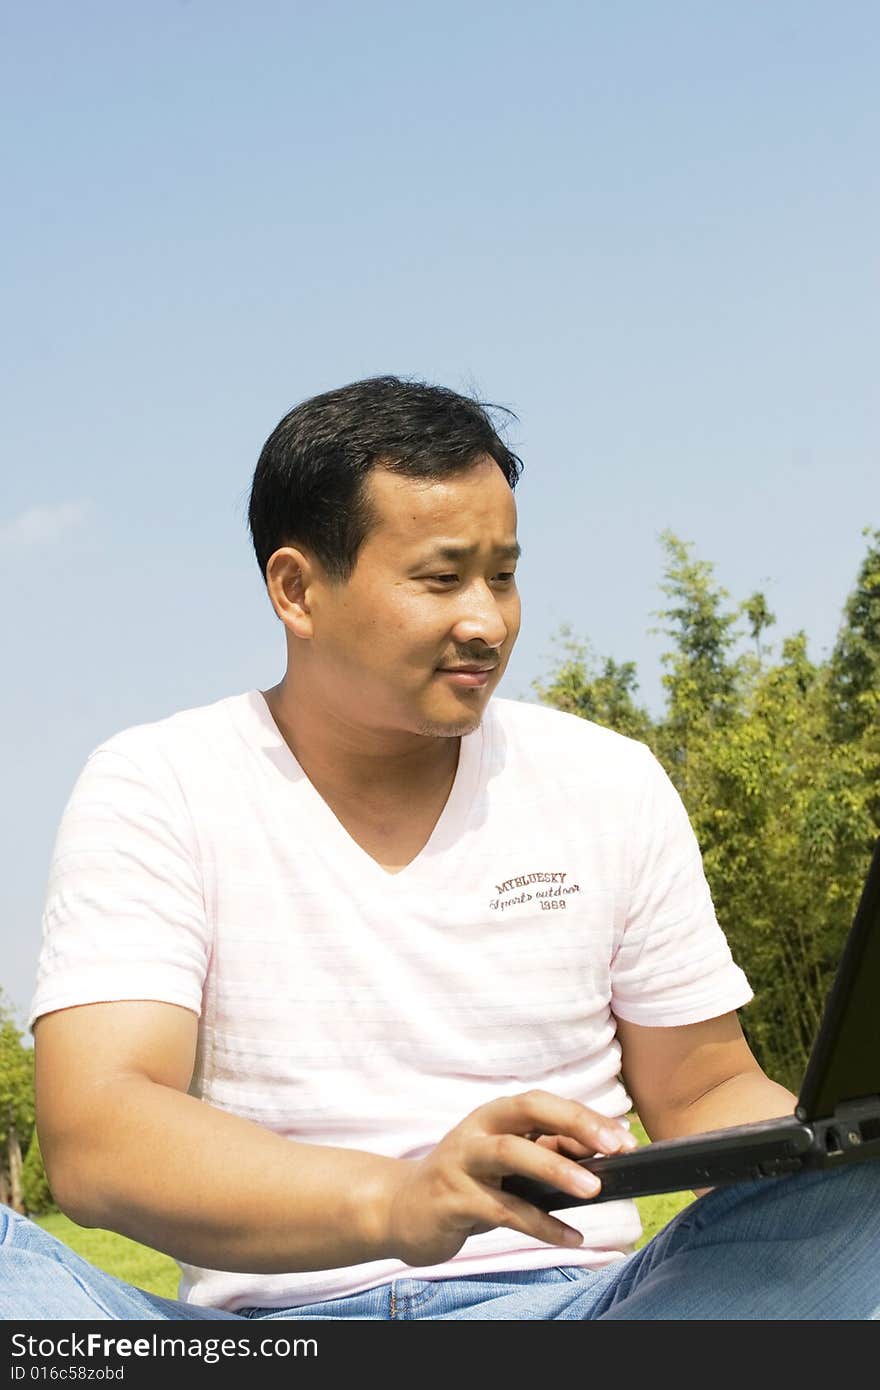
(464, 552)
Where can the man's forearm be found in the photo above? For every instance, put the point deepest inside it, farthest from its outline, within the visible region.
(215, 1190)
(741, 1099)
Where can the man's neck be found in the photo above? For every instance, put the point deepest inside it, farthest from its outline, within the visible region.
(351, 761)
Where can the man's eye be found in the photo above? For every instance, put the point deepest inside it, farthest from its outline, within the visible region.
(443, 578)
(506, 576)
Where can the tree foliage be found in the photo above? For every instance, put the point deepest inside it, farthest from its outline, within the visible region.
(778, 764)
(854, 669)
(37, 1194)
(605, 696)
(17, 1119)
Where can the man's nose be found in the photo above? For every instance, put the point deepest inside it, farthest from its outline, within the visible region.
(480, 618)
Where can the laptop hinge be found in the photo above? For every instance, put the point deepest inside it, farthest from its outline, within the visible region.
(863, 1105)
(854, 1123)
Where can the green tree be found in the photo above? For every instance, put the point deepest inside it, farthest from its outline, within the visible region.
(760, 617)
(38, 1197)
(778, 764)
(854, 674)
(781, 814)
(605, 696)
(16, 1108)
(701, 676)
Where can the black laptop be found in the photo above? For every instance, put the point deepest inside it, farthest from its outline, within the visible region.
(837, 1118)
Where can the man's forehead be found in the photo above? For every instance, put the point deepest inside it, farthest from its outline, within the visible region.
(440, 511)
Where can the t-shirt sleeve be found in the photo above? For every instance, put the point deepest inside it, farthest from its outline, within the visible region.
(672, 964)
(124, 914)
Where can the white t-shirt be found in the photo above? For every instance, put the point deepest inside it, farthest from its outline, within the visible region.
(195, 863)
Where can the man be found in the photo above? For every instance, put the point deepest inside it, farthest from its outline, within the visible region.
(323, 963)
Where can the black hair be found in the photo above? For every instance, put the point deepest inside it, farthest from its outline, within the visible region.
(309, 483)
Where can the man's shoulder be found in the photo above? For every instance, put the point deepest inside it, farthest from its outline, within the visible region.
(185, 733)
(548, 730)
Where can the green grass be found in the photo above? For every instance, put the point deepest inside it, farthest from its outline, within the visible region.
(148, 1269)
(135, 1264)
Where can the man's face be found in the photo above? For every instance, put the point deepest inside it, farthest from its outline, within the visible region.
(433, 591)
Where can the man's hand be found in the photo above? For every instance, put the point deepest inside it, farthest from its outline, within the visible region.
(455, 1191)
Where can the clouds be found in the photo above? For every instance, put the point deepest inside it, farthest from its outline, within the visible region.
(43, 523)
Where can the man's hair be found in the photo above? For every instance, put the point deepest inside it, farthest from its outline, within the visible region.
(309, 483)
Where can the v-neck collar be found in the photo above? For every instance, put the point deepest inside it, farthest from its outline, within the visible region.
(330, 836)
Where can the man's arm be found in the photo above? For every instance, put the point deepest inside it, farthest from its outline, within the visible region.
(697, 1077)
(127, 1149)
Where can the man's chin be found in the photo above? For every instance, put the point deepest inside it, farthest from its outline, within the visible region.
(455, 717)
(455, 727)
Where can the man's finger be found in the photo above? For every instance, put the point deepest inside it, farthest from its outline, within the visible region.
(498, 1156)
(541, 1111)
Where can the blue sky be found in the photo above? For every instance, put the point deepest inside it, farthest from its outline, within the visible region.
(649, 230)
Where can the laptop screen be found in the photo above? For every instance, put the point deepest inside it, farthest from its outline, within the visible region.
(845, 1061)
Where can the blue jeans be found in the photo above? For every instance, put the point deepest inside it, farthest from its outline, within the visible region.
(800, 1247)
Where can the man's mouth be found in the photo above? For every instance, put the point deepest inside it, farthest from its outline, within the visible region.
(471, 674)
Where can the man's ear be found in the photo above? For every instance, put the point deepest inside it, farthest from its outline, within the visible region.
(290, 575)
